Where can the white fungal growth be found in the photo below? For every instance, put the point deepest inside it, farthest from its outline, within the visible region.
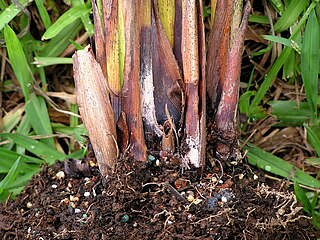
(193, 155)
(147, 100)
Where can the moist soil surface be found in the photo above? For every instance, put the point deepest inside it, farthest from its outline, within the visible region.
(156, 200)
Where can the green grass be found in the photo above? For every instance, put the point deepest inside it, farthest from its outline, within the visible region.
(29, 139)
(299, 63)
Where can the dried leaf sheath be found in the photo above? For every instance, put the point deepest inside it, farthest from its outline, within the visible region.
(111, 23)
(190, 58)
(202, 88)
(146, 76)
(219, 42)
(99, 37)
(131, 103)
(166, 74)
(225, 119)
(95, 108)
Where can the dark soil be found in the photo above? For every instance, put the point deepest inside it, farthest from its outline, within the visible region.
(146, 201)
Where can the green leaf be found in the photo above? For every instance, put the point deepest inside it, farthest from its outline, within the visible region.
(87, 23)
(38, 148)
(11, 12)
(43, 14)
(289, 113)
(66, 19)
(18, 60)
(12, 118)
(60, 42)
(278, 5)
(9, 157)
(284, 41)
(313, 138)
(290, 15)
(302, 198)
(310, 56)
(11, 176)
(37, 111)
(275, 165)
(259, 19)
(48, 61)
(269, 78)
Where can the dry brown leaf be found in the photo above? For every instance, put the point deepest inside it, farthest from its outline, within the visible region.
(95, 108)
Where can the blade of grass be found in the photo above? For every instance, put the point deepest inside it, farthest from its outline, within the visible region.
(88, 26)
(38, 148)
(18, 61)
(48, 61)
(302, 198)
(275, 165)
(66, 19)
(37, 111)
(288, 113)
(60, 42)
(313, 138)
(12, 118)
(11, 12)
(310, 56)
(11, 176)
(258, 19)
(44, 15)
(290, 15)
(19, 183)
(269, 78)
(284, 41)
(9, 157)
(278, 5)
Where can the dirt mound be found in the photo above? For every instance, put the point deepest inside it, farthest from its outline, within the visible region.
(152, 201)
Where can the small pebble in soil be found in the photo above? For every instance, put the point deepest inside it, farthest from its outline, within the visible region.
(65, 200)
(92, 164)
(227, 194)
(77, 210)
(241, 176)
(86, 181)
(29, 205)
(54, 186)
(60, 175)
(135, 224)
(212, 203)
(281, 211)
(151, 158)
(190, 198)
(255, 177)
(214, 180)
(224, 199)
(157, 162)
(125, 218)
(86, 194)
